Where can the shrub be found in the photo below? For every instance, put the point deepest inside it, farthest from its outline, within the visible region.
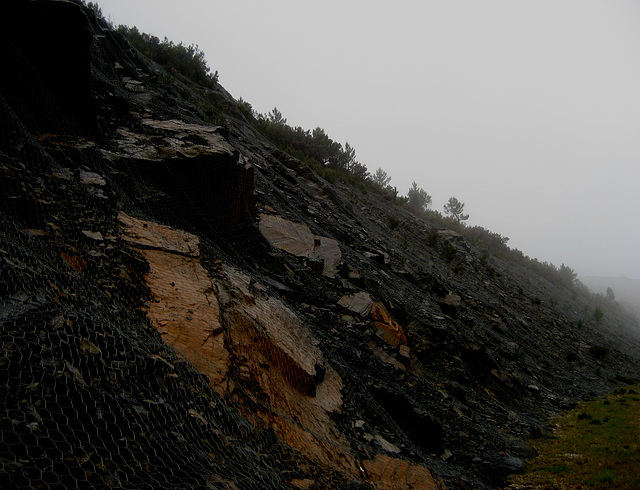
(433, 237)
(245, 108)
(447, 251)
(188, 61)
(598, 314)
(599, 351)
(393, 222)
(418, 197)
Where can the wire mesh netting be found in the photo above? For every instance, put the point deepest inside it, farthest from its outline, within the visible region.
(120, 216)
(182, 305)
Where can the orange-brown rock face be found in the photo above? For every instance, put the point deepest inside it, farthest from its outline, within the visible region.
(389, 329)
(396, 474)
(251, 345)
(269, 356)
(362, 304)
(283, 371)
(184, 307)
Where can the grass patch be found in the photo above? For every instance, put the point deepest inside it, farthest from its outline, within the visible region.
(596, 445)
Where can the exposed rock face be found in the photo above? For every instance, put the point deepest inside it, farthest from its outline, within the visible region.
(183, 306)
(281, 369)
(389, 474)
(190, 164)
(186, 306)
(267, 347)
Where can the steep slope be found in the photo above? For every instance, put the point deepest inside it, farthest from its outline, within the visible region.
(185, 305)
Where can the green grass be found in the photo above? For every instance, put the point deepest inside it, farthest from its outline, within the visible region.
(597, 445)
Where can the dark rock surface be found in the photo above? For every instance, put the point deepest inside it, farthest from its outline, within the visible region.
(364, 361)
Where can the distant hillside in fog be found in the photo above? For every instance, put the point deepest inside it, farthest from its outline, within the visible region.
(627, 291)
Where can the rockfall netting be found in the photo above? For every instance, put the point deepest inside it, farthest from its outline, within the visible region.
(182, 305)
(92, 397)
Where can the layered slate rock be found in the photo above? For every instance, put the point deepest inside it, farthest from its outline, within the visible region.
(189, 171)
(178, 140)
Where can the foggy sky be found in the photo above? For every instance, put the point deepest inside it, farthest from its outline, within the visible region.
(528, 111)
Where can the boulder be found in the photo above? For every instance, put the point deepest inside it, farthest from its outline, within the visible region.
(297, 239)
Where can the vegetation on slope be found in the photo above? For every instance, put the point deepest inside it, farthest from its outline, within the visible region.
(596, 445)
(188, 61)
(335, 162)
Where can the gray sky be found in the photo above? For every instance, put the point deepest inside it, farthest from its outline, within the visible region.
(527, 111)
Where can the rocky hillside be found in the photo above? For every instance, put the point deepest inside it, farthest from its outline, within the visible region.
(183, 305)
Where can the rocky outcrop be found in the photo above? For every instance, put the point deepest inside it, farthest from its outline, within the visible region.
(298, 240)
(280, 370)
(185, 305)
(189, 171)
(254, 347)
(362, 304)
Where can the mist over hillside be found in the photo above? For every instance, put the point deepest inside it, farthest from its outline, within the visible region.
(626, 290)
(188, 299)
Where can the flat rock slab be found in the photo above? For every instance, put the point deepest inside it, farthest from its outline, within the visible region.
(286, 235)
(178, 140)
(359, 303)
(328, 250)
(151, 235)
(297, 239)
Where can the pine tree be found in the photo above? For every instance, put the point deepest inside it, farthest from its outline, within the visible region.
(455, 210)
